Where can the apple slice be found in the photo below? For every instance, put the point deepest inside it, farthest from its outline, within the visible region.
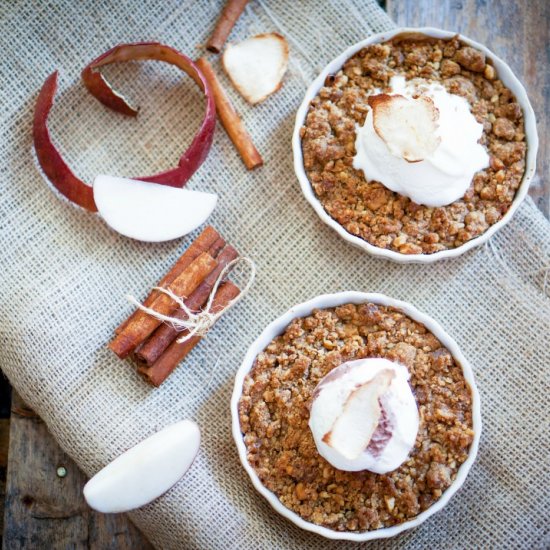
(146, 471)
(353, 429)
(256, 66)
(407, 126)
(148, 211)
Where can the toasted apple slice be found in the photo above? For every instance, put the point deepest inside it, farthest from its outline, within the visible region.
(353, 428)
(257, 65)
(407, 126)
(148, 211)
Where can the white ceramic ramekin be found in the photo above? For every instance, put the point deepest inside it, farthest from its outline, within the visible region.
(504, 73)
(331, 300)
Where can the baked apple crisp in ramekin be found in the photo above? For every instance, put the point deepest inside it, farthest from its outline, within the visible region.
(416, 144)
(356, 416)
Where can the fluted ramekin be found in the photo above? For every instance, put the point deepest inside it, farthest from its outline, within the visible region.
(332, 300)
(504, 73)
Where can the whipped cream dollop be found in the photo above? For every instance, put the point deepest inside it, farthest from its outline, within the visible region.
(364, 416)
(452, 154)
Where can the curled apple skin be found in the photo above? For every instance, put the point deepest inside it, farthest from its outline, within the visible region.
(98, 86)
(49, 158)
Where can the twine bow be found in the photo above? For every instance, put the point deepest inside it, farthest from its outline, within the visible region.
(198, 323)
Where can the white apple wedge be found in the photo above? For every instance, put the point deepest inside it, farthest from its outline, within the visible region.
(150, 212)
(146, 471)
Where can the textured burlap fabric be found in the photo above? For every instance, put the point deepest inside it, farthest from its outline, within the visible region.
(65, 274)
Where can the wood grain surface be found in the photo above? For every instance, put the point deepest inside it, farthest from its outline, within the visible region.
(516, 31)
(4, 445)
(46, 511)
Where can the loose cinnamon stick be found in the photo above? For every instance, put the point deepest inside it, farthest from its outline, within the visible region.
(230, 119)
(231, 12)
(165, 334)
(169, 360)
(201, 244)
(143, 324)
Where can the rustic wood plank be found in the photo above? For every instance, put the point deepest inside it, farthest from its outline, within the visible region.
(44, 510)
(4, 444)
(519, 33)
(5, 405)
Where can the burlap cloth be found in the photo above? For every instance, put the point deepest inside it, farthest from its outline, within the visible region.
(65, 274)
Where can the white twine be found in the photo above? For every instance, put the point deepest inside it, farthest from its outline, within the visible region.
(198, 323)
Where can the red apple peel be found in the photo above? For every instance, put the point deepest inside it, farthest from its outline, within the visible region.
(50, 160)
(100, 89)
(49, 157)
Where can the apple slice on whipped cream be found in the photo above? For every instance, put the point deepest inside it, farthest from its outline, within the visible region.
(148, 211)
(364, 416)
(420, 141)
(407, 126)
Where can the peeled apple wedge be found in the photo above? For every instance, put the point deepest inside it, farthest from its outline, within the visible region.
(148, 211)
(146, 471)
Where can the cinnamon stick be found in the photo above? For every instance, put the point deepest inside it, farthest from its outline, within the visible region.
(216, 248)
(142, 324)
(165, 334)
(230, 119)
(202, 243)
(157, 373)
(231, 12)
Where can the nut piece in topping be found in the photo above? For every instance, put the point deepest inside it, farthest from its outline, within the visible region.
(407, 126)
(471, 59)
(257, 65)
(353, 429)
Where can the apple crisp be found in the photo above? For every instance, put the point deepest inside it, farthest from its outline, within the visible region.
(274, 414)
(382, 217)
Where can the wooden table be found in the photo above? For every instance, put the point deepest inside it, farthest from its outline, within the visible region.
(519, 33)
(44, 507)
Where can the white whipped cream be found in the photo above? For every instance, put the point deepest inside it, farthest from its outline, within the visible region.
(360, 397)
(444, 175)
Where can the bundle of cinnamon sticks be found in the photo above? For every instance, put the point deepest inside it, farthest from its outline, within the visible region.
(154, 345)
